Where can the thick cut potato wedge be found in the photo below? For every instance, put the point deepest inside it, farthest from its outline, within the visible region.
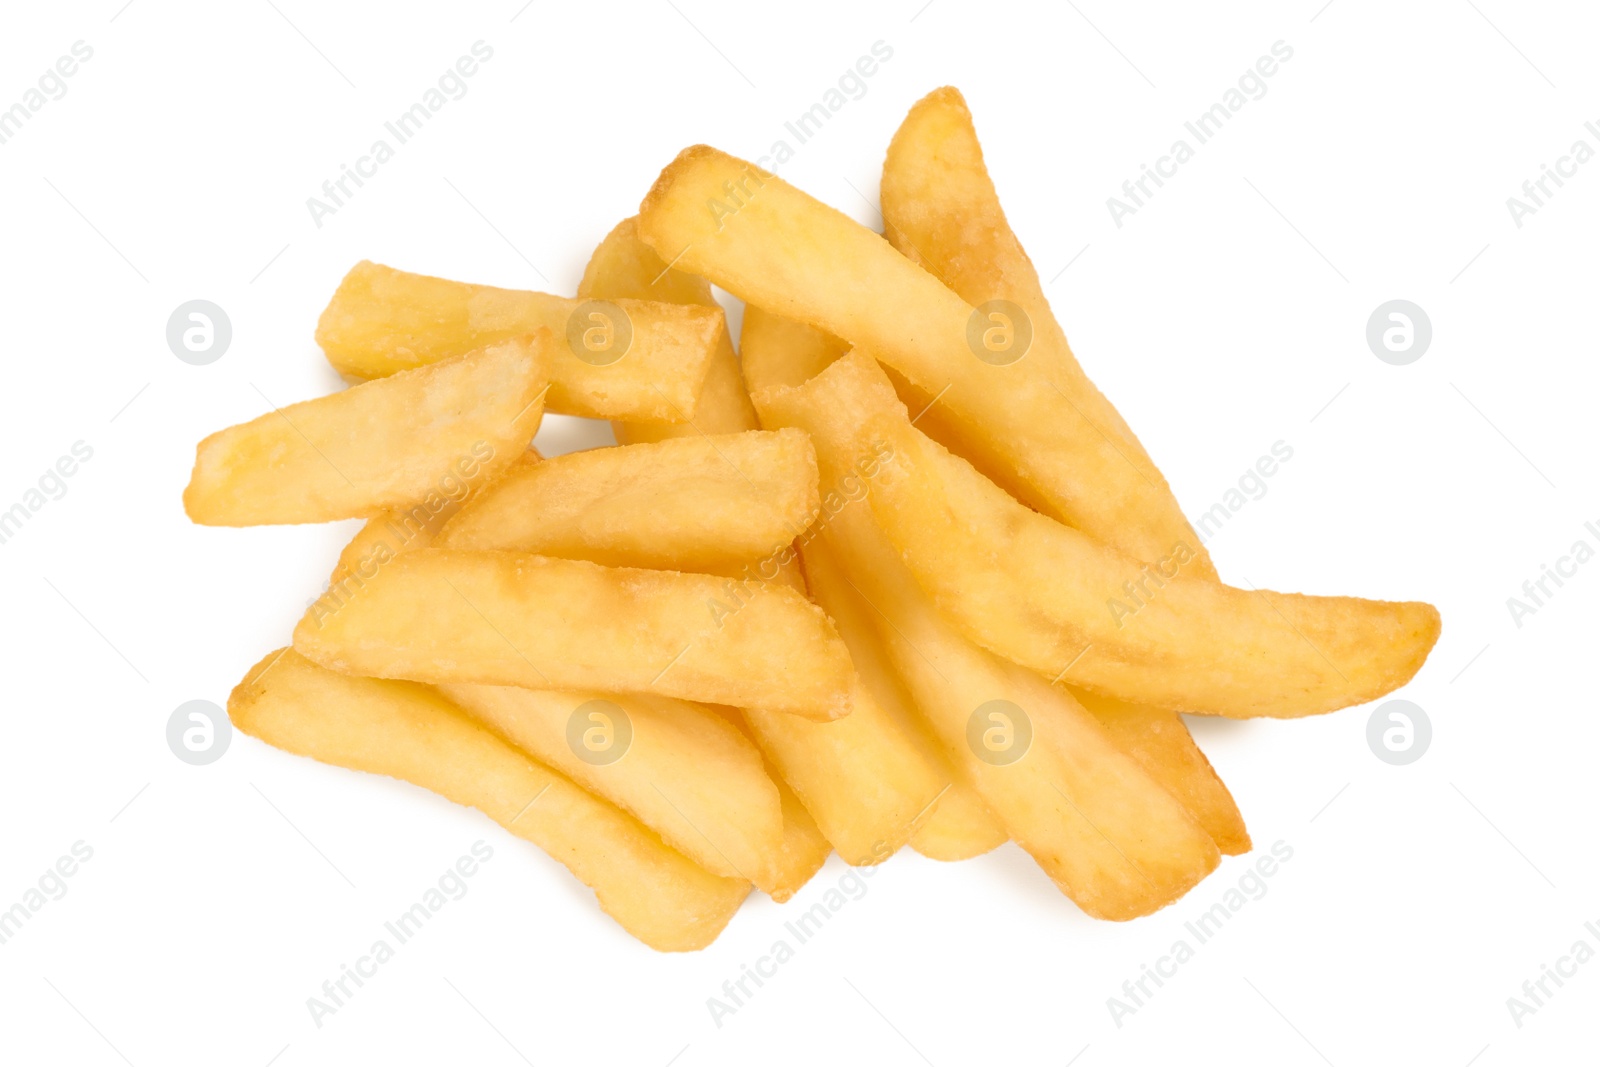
(681, 770)
(1103, 829)
(782, 250)
(375, 446)
(941, 211)
(625, 268)
(687, 504)
(960, 826)
(1050, 598)
(410, 732)
(637, 360)
(505, 618)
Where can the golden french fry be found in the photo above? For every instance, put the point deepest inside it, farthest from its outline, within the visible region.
(1106, 832)
(375, 446)
(1051, 598)
(780, 352)
(1013, 392)
(869, 784)
(631, 359)
(960, 825)
(688, 504)
(1162, 745)
(683, 771)
(942, 212)
(410, 732)
(625, 268)
(441, 615)
(1103, 829)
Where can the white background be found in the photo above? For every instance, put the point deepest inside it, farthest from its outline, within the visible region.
(1226, 315)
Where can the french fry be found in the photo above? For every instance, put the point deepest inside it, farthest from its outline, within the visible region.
(375, 446)
(683, 771)
(689, 504)
(440, 615)
(942, 212)
(960, 826)
(780, 249)
(780, 352)
(625, 268)
(1105, 832)
(1050, 598)
(641, 360)
(780, 618)
(865, 821)
(410, 732)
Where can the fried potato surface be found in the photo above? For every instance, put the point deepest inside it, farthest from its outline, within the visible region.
(1106, 832)
(440, 615)
(689, 504)
(377, 445)
(1010, 389)
(1050, 598)
(631, 359)
(623, 267)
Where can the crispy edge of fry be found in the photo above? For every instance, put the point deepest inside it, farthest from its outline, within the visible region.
(655, 893)
(381, 321)
(623, 267)
(235, 468)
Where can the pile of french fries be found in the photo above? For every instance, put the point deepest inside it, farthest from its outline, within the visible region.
(896, 573)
